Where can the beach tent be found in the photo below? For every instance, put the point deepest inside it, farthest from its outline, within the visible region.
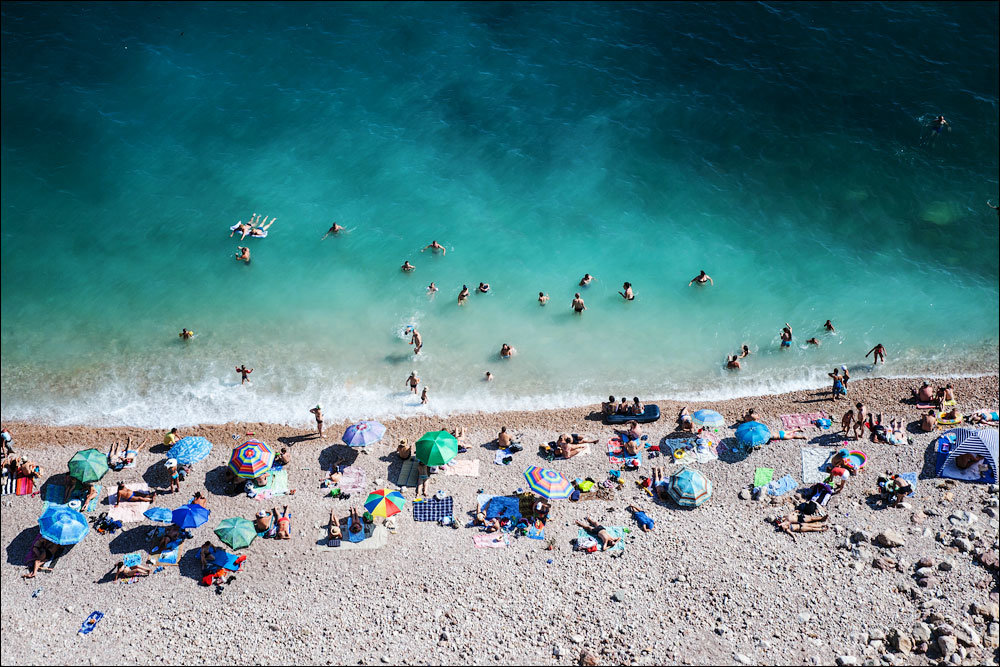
(970, 441)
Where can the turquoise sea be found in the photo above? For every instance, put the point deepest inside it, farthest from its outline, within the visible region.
(779, 146)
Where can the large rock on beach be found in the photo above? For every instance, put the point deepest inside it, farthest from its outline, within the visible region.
(890, 539)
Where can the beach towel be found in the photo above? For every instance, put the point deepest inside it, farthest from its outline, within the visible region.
(494, 506)
(132, 559)
(463, 468)
(617, 455)
(489, 540)
(813, 461)
(973, 473)
(130, 510)
(762, 476)
(499, 457)
(353, 480)
(277, 485)
(694, 450)
(54, 494)
(88, 625)
(168, 557)
(433, 509)
(9, 485)
(910, 477)
(24, 486)
(29, 556)
(130, 454)
(801, 420)
(613, 531)
(409, 473)
(225, 560)
(781, 486)
(536, 533)
(373, 537)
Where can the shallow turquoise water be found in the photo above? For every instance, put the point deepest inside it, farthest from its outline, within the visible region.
(777, 147)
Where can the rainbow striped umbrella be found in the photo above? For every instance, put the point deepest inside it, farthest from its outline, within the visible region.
(548, 483)
(251, 459)
(385, 503)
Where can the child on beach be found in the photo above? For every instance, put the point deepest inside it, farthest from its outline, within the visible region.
(175, 482)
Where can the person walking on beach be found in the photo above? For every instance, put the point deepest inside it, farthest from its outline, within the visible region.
(786, 335)
(879, 351)
(413, 381)
(244, 373)
(318, 413)
(416, 341)
(463, 296)
(701, 279)
(243, 254)
(436, 247)
(334, 229)
(578, 306)
(543, 298)
(627, 294)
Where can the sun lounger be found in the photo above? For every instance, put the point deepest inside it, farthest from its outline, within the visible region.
(650, 414)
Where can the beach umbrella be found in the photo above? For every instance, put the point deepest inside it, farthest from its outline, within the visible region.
(436, 448)
(190, 450)
(548, 483)
(251, 459)
(161, 514)
(237, 532)
(707, 419)
(62, 525)
(385, 503)
(363, 433)
(752, 434)
(190, 515)
(88, 465)
(689, 488)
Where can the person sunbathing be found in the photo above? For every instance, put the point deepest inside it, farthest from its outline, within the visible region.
(260, 231)
(622, 408)
(355, 525)
(42, 552)
(284, 523)
(263, 523)
(122, 572)
(802, 523)
(284, 458)
(598, 531)
(403, 451)
(333, 531)
(645, 523)
(924, 394)
(172, 532)
(29, 469)
(790, 434)
(262, 479)
(658, 481)
(947, 396)
(983, 417)
(750, 416)
(895, 487)
(634, 431)
(199, 499)
(684, 420)
(126, 495)
(928, 422)
(950, 415)
(568, 450)
(503, 438)
(967, 460)
(89, 489)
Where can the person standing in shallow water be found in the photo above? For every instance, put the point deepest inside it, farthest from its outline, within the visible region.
(244, 373)
(627, 294)
(416, 341)
(413, 382)
(701, 279)
(578, 306)
(786, 335)
(879, 351)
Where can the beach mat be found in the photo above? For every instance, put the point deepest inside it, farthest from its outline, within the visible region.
(494, 505)
(462, 468)
(802, 419)
(489, 540)
(433, 509)
(408, 474)
(813, 460)
(24, 486)
(910, 477)
(617, 455)
(613, 531)
(130, 510)
(762, 476)
(277, 485)
(54, 494)
(353, 480)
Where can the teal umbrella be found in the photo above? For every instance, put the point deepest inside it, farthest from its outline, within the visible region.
(436, 448)
(88, 465)
(237, 532)
(62, 525)
(689, 488)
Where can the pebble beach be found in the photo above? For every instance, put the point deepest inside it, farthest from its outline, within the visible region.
(711, 585)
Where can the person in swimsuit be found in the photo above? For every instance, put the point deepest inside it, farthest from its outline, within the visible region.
(175, 476)
(684, 420)
(608, 407)
(744, 351)
(586, 280)
(284, 523)
(436, 247)
(126, 494)
(578, 306)
(185, 334)
(483, 288)
(423, 396)
(790, 434)
(416, 341)
(846, 421)
(622, 408)
(244, 373)
(412, 382)
(489, 377)
(263, 523)
(260, 231)
(838, 384)
(463, 296)
(828, 325)
(645, 523)
(407, 267)
(802, 523)
(243, 254)
(928, 422)
(284, 458)
(431, 289)
(967, 460)
(813, 341)
(750, 416)
(701, 279)
(318, 413)
(506, 351)
(42, 552)
(628, 295)
(879, 351)
(925, 394)
(567, 448)
(74, 484)
(637, 408)
(786, 335)
(543, 298)
(938, 126)
(243, 228)
(859, 422)
(733, 363)
(334, 229)
(354, 523)
(983, 417)
(199, 499)
(948, 396)
(403, 450)
(333, 531)
(598, 531)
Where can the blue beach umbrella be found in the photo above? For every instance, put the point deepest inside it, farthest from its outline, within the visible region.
(689, 488)
(708, 419)
(363, 433)
(752, 434)
(190, 515)
(161, 514)
(61, 525)
(190, 450)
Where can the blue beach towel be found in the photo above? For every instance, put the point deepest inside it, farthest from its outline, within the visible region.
(433, 509)
(226, 560)
(781, 487)
(613, 531)
(88, 626)
(536, 533)
(354, 538)
(507, 506)
(910, 477)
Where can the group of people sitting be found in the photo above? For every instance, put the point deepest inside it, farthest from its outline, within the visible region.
(942, 397)
(623, 407)
(355, 526)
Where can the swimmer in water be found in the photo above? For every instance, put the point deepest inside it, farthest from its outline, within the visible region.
(744, 351)
(506, 351)
(334, 229)
(701, 279)
(243, 254)
(483, 288)
(733, 363)
(489, 377)
(995, 207)
(244, 373)
(879, 351)
(463, 296)
(431, 289)
(936, 127)
(586, 280)
(813, 341)
(407, 267)
(786, 335)
(577, 304)
(416, 341)
(261, 230)
(243, 228)
(423, 397)
(185, 334)
(829, 326)
(436, 247)
(628, 295)
(543, 298)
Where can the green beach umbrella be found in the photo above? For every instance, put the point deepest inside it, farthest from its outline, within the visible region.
(237, 532)
(88, 465)
(436, 448)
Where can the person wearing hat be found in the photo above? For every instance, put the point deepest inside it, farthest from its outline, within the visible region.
(175, 476)
(318, 412)
(264, 524)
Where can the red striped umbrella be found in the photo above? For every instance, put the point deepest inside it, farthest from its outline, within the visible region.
(251, 459)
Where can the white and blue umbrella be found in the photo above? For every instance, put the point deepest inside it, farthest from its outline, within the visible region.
(62, 525)
(752, 434)
(708, 419)
(190, 450)
(161, 514)
(363, 433)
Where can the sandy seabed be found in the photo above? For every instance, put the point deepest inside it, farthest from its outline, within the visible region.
(714, 585)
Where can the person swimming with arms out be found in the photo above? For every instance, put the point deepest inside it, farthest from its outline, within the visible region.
(244, 373)
(828, 325)
(813, 341)
(407, 267)
(334, 229)
(243, 254)
(185, 334)
(701, 279)
(434, 246)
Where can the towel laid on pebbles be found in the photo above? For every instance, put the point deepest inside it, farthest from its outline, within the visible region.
(780, 487)
(408, 474)
(433, 509)
(54, 493)
(762, 476)
(813, 461)
(130, 510)
(353, 480)
(489, 540)
(499, 457)
(613, 531)
(801, 420)
(277, 485)
(463, 468)
(494, 506)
